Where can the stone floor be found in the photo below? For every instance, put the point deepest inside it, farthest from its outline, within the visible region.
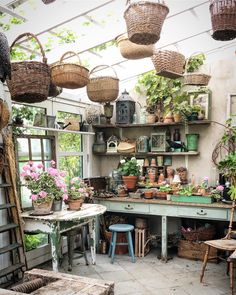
(150, 276)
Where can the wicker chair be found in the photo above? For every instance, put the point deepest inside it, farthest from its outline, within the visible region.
(224, 244)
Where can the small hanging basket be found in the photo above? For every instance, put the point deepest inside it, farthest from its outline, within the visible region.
(69, 75)
(132, 50)
(169, 64)
(104, 88)
(144, 20)
(223, 19)
(29, 79)
(196, 79)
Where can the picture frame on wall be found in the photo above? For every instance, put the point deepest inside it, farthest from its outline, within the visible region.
(231, 108)
(202, 98)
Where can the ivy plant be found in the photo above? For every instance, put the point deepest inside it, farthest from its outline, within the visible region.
(194, 62)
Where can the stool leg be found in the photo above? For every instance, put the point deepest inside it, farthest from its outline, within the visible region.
(127, 237)
(70, 243)
(113, 246)
(83, 245)
(130, 244)
(110, 247)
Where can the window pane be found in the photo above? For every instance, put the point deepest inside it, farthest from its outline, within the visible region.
(47, 149)
(25, 197)
(36, 149)
(23, 149)
(72, 165)
(27, 113)
(70, 142)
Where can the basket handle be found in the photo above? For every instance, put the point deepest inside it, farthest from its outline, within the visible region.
(31, 36)
(72, 53)
(104, 67)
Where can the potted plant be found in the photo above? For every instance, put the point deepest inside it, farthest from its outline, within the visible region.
(163, 191)
(121, 190)
(77, 192)
(228, 167)
(130, 171)
(217, 193)
(148, 192)
(46, 186)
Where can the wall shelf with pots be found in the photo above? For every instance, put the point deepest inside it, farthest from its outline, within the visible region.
(141, 155)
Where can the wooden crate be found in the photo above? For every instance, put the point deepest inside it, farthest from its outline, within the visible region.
(195, 250)
(121, 238)
(141, 242)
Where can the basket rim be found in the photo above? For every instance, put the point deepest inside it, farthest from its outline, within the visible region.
(196, 74)
(68, 64)
(103, 77)
(146, 3)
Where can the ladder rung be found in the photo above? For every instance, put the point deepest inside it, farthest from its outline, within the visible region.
(6, 206)
(11, 269)
(3, 185)
(9, 248)
(7, 227)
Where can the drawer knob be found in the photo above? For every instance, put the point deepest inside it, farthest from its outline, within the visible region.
(201, 213)
(129, 208)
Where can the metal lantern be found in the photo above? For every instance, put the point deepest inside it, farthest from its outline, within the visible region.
(112, 144)
(158, 142)
(142, 144)
(125, 109)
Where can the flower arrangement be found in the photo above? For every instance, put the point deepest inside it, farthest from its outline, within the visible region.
(78, 189)
(45, 184)
(217, 192)
(129, 167)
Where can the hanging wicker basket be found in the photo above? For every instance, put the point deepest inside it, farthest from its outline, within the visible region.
(104, 88)
(69, 75)
(144, 20)
(223, 19)
(196, 79)
(169, 64)
(29, 79)
(132, 50)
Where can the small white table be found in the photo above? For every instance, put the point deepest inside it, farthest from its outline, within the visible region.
(63, 221)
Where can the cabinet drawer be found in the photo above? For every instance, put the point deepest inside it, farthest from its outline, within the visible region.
(129, 207)
(203, 213)
(105, 203)
(163, 210)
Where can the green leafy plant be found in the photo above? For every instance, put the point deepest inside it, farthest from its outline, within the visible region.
(195, 62)
(186, 190)
(165, 188)
(129, 167)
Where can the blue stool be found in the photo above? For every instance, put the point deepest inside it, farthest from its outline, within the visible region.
(121, 228)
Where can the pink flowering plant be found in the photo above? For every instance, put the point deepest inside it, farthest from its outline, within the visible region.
(78, 189)
(217, 193)
(44, 184)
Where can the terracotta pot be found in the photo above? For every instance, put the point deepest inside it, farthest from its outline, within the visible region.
(148, 194)
(168, 120)
(177, 117)
(150, 119)
(75, 204)
(42, 208)
(130, 181)
(161, 195)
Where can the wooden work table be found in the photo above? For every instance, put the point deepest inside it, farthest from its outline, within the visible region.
(165, 209)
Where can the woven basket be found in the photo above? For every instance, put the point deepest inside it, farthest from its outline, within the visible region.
(104, 88)
(144, 21)
(126, 147)
(223, 19)
(169, 64)
(132, 50)
(29, 79)
(200, 234)
(196, 79)
(69, 75)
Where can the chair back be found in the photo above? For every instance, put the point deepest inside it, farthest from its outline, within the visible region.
(231, 221)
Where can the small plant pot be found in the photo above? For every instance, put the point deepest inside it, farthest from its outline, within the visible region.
(168, 120)
(192, 142)
(161, 195)
(57, 205)
(130, 181)
(177, 117)
(148, 194)
(193, 116)
(150, 119)
(75, 204)
(42, 208)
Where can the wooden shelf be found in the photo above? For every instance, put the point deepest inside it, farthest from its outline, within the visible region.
(58, 130)
(198, 122)
(139, 155)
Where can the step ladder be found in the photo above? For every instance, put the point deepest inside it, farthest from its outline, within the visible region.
(10, 208)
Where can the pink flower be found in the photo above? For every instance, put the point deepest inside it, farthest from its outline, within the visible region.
(23, 174)
(65, 197)
(32, 168)
(63, 174)
(40, 166)
(52, 171)
(34, 197)
(31, 163)
(34, 175)
(220, 188)
(26, 168)
(73, 188)
(81, 190)
(43, 194)
(53, 163)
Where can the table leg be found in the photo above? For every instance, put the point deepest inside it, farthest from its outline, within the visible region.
(92, 235)
(55, 244)
(164, 238)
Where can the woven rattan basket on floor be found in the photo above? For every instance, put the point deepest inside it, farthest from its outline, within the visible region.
(69, 75)
(144, 20)
(200, 234)
(196, 79)
(169, 64)
(104, 88)
(132, 50)
(223, 19)
(29, 79)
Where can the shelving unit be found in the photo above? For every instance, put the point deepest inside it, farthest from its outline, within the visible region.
(150, 154)
(58, 130)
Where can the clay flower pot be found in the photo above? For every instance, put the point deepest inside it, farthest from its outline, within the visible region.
(148, 194)
(75, 204)
(130, 181)
(42, 208)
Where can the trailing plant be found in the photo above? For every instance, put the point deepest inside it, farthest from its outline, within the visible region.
(194, 62)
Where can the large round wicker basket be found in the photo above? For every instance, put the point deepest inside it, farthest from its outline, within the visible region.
(169, 64)
(132, 50)
(144, 20)
(103, 88)
(29, 79)
(223, 19)
(69, 75)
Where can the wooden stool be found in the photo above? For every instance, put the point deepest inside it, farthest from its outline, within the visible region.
(124, 228)
(71, 241)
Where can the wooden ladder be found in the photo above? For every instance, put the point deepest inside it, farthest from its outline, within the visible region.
(14, 224)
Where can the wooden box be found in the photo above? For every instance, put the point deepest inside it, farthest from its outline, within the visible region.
(141, 242)
(192, 199)
(195, 250)
(121, 238)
